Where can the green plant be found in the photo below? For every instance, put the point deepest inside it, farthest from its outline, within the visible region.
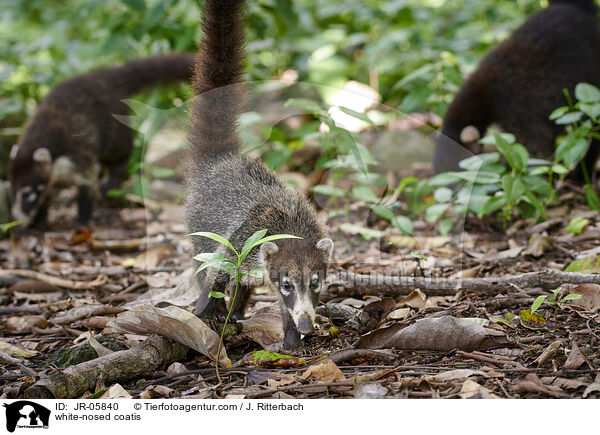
(555, 300)
(8, 228)
(233, 266)
(582, 119)
(577, 225)
(487, 184)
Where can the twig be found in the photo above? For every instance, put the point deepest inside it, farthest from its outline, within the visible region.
(351, 284)
(56, 281)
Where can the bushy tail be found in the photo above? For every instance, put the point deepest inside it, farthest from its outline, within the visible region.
(136, 75)
(218, 81)
(589, 6)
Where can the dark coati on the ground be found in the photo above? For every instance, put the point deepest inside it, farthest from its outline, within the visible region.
(235, 197)
(73, 134)
(521, 81)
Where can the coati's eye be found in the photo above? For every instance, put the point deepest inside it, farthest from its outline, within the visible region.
(286, 286)
(314, 281)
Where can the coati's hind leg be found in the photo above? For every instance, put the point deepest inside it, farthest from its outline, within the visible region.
(212, 309)
(85, 203)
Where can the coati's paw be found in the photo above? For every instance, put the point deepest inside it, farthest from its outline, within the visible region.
(291, 341)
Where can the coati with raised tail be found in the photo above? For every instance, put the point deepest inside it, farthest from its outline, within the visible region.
(235, 197)
(521, 81)
(73, 134)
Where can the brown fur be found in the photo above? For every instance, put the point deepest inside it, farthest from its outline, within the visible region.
(235, 197)
(521, 81)
(76, 121)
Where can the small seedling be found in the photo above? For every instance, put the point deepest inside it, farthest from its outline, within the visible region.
(554, 300)
(577, 225)
(233, 267)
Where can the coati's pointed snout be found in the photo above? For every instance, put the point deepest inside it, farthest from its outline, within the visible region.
(305, 325)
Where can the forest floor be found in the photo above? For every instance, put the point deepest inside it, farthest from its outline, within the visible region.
(61, 290)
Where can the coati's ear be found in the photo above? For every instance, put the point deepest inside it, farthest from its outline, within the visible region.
(267, 250)
(13, 151)
(325, 245)
(42, 155)
(470, 134)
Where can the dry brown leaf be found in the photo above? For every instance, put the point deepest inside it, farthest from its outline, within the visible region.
(444, 334)
(116, 391)
(175, 323)
(590, 299)
(452, 375)
(533, 384)
(151, 258)
(416, 299)
(593, 387)
(471, 389)
(184, 291)
(265, 327)
(326, 372)
(575, 358)
(539, 244)
(25, 323)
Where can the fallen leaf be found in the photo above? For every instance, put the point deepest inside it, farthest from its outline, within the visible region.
(444, 334)
(325, 372)
(593, 387)
(590, 296)
(539, 244)
(116, 391)
(265, 327)
(399, 314)
(416, 299)
(585, 265)
(452, 375)
(269, 359)
(471, 389)
(533, 384)
(151, 258)
(13, 350)
(175, 323)
(575, 358)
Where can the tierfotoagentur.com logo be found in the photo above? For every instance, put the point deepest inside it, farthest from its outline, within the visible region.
(25, 414)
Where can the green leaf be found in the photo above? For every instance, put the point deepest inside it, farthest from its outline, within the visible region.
(325, 189)
(577, 225)
(160, 172)
(383, 212)
(217, 238)
(587, 93)
(537, 303)
(557, 113)
(443, 194)
(571, 149)
(492, 204)
(305, 104)
(272, 238)
(255, 273)
(591, 197)
(572, 297)
(435, 212)
(474, 163)
(365, 193)
(138, 5)
(216, 295)
(226, 266)
(141, 185)
(444, 179)
(357, 115)
(585, 265)
(416, 99)
(250, 241)
(5, 228)
(445, 226)
(210, 256)
(569, 118)
(403, 223)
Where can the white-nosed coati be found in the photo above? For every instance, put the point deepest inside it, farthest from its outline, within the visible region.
(235, 197)
(73, 133)
(521, 81)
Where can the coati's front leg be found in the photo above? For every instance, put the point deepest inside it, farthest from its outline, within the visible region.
(212, 309)
(241, 300)
(291, 336)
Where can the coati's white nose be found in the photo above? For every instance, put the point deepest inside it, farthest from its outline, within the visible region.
(305, 325)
